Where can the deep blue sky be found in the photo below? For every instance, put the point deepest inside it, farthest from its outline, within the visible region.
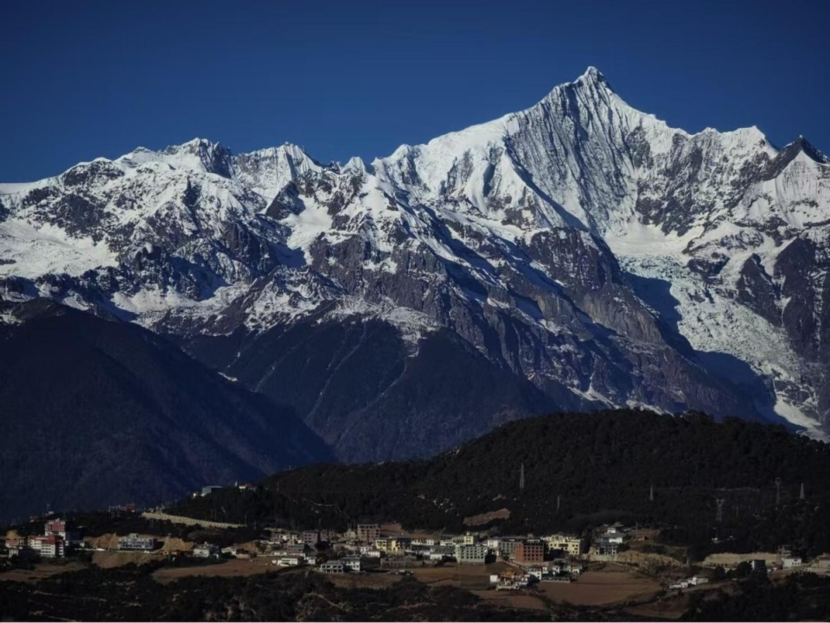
(85, 79)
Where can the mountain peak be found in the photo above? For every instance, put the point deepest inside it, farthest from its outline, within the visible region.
(211, 157)
(592, 77)
(802, 144)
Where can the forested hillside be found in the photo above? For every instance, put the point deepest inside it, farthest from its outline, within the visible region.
(594, 467)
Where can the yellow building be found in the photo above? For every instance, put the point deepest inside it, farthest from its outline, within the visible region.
(571, 545)
(398, 544)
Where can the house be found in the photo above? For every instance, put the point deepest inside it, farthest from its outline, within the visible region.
(372, 553)
(368, 532)
(511, 580)
(698, 580)
(615, 535)
(468, 539)
(759, 565)
(790, 562)
(206, 550)
(290, 561)
(209, 489)
(571, 545)
(297, 549)
(382, 545)
(352, 563)
(823, 563)
(472, 554)
(133, 542)
(333, 567)
(530, 552)
(20, 549)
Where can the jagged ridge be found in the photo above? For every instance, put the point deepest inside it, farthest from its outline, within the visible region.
(579, 246)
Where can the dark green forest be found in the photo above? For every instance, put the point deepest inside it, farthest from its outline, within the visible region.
(596, 467)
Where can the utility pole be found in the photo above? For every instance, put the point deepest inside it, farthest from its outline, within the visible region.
(801, 495)
(719, 502)
(651, 494)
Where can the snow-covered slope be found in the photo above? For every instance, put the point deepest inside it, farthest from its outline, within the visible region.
(580, 245)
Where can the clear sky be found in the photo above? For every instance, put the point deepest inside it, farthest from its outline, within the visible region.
(84, 79)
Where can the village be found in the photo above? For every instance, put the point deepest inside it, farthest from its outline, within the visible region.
(615, 563)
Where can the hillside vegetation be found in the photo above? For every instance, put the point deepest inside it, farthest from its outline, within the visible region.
(599, 466)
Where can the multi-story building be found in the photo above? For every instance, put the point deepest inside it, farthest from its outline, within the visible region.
(51, 546)
(63, 529)
(530, 552)
(352, 563)
(382, 545)
(368, 532)
(398, 544)
(571, 545)
(507, 548)
(606, 546)
(333, 567)
(310, 537)
(133, 542)
(493, 543)
(472, 554)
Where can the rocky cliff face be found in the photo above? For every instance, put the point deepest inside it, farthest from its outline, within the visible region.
(576, 254)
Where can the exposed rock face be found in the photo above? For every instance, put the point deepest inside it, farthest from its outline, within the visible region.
(576, 254)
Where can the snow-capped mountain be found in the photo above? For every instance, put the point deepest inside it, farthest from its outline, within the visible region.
(577, 254)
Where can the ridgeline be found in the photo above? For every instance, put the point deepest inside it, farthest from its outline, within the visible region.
(580, 470)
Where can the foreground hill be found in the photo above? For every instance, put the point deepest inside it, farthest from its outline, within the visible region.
(576, 255)
(600, 466)
(98, 412)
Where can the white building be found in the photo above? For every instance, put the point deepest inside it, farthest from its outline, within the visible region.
(47, 546)
(493, 543)
(206, 550)
(333, 567)
(352, 563)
